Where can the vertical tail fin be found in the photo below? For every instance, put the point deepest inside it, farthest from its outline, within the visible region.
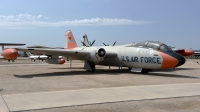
(70, 41)
(85, 41)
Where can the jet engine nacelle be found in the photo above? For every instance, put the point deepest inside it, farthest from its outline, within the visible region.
(96, 54)
(10, 54)
(55, 61)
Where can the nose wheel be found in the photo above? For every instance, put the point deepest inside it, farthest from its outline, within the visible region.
(145, 71)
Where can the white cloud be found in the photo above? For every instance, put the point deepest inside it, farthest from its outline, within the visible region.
(30, 21)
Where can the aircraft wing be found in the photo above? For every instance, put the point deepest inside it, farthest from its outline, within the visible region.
(59, 52)
(11, 44)
(63, 52)
(45, 47)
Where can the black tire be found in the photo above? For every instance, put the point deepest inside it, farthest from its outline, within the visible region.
(145, 71)
(92, 66)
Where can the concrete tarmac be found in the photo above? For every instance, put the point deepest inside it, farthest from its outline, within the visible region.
(3, 106)
(42, 100)
(24, 83)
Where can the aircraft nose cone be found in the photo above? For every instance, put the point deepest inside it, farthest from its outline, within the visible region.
(168, 61)
(181, 60)
(171, 59)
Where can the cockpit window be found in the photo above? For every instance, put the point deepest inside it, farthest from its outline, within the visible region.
(156, 45)
(164, 47)
(143, 44)
(152, 45)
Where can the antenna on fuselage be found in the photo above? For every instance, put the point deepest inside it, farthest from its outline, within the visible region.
(114, 43)
(92, 43)
(108, 44)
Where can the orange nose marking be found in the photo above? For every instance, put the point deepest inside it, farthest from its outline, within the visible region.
(10, 53)
(168, 61)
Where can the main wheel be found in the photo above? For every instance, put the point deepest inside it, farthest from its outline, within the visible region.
(92, 66)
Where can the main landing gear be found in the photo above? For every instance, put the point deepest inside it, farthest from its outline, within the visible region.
(89, 66)
(92, 66)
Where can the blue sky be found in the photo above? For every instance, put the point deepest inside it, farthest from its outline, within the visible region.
(44, 22)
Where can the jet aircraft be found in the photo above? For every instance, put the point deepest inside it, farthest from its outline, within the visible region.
(143, 56)
(37, 57)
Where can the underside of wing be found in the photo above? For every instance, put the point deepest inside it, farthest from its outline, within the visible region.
(58, 52)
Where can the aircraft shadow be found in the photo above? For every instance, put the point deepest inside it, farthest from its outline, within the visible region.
(74, 68)
(1, 90)
(171, 70)
(69, 68)
(72, 73)
(170, 75)
(100, 72)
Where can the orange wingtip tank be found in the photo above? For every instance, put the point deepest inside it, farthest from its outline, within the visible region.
(186, 52)
(9, 53)
(62, 61)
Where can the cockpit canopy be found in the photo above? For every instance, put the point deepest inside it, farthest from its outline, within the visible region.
(154, 45)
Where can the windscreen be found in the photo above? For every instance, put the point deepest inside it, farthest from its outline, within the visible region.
(156, 45)
(164, 47)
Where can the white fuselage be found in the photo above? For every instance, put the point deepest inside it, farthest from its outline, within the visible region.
(135, 57)
(130, 57)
